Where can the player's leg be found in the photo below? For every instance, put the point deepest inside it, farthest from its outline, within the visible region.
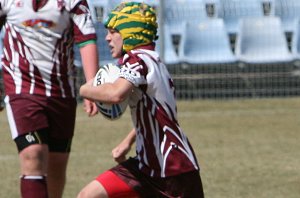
(108, 184)
(33, 155)
(184, 185)
(61, 116)
(28, 125)
(93, 190)
(57, 166)
(56, 174)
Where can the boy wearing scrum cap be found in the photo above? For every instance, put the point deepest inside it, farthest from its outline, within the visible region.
(165, 164)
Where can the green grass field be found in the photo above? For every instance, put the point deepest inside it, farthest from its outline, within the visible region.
(246, 148)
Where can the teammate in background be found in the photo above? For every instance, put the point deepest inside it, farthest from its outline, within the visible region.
(39, 80)
(165, 165)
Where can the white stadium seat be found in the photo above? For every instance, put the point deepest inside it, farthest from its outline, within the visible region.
(169, 54)
(262, 40)
(296, 42)
(288, 11)
(206, 42)
(99, 9)
(178, 12)
(234, 10)
(114, 3)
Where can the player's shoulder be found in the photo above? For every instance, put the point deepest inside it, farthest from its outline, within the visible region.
(148, 57)
(131, 57)
(71, 4)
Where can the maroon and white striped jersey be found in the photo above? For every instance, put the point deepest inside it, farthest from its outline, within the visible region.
(38, 45)
(162, 147)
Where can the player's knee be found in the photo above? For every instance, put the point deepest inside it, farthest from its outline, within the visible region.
(34, 152)
(87, 194)
(81, 194)
(84, 193)
(34, 160)
(92, 190)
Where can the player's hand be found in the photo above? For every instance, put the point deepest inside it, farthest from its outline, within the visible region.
(119, 152)
(90, 107)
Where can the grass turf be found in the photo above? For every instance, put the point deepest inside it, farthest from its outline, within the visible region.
(246, 148)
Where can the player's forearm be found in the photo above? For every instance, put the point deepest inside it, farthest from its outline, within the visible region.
(130, 138)
(112, 93)
(89, 58)
(104, 93)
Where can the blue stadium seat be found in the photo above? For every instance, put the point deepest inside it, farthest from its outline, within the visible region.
(262, 40)
(206, 42)
(169, 50)
(114, 3)
(212, 8)
(295, 48)
(234, 10)
(289, 13)
(99, 9)
(178, 12)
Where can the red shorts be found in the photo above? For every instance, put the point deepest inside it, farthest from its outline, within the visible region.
(115, 186)
(125, 180)
(27, 113)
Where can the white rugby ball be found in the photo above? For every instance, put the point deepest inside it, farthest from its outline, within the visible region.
(107, 74)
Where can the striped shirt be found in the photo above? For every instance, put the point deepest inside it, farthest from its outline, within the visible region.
(38, 45)
(161, 146)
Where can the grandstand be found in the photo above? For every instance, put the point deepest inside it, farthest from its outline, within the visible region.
(222, 49)
(238, 48)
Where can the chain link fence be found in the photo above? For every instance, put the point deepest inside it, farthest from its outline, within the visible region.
(214, 80)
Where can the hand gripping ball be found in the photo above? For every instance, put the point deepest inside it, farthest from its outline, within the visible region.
(107, 74)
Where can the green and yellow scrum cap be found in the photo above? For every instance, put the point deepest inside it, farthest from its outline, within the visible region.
(136, 23)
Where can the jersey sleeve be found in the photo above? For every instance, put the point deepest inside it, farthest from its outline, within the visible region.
(134, 70)
(84, 29)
